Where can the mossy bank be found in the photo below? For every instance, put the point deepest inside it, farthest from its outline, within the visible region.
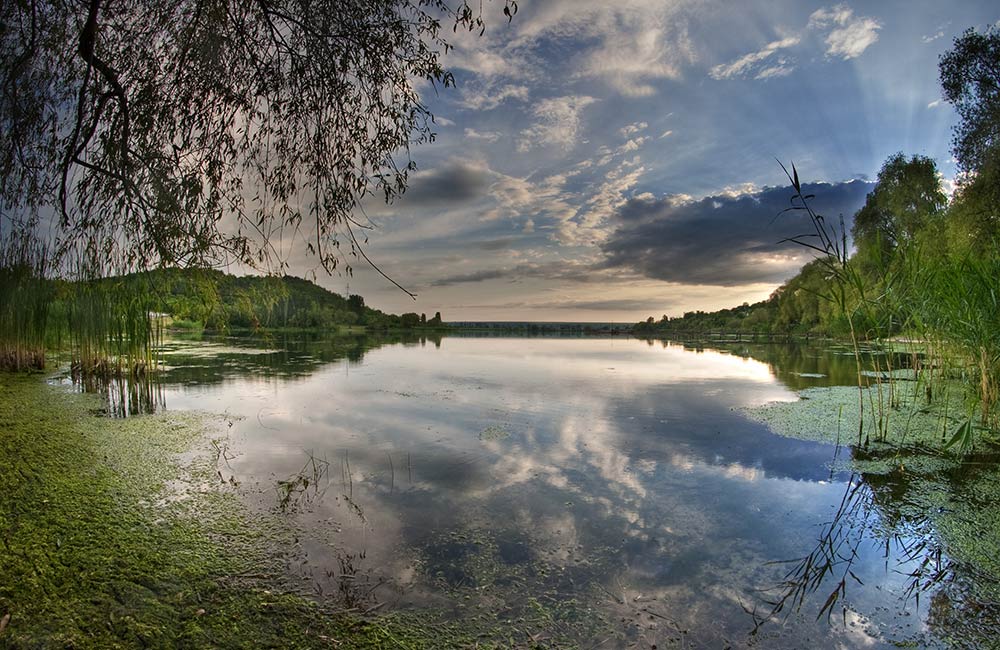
(119, 534)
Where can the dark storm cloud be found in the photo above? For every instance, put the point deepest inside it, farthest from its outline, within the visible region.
(496, 244)
(476, 276)
(449, 184)
(623, 304)
(567, 271)
(723, 240)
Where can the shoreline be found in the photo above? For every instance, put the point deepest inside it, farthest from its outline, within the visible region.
(120, 533)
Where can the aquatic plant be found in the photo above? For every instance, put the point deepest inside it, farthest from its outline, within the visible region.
(306, 486)
(847, 288)
(962, 309)
(25, 299)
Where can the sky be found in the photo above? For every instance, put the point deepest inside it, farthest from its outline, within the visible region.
(609, 161)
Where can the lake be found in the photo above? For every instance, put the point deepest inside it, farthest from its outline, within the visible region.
(601, 491)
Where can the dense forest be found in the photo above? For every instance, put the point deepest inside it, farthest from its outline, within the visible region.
(198, 298)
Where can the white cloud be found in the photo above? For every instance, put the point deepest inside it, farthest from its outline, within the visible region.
(938, 33)
(630, 64)
(850, 35)
(781, 69)
(485, 63)
(750, 64)
(934, 104)
(443, 121)
(589, 224)
(846, 36)
(631, 145)
(632, 129)
(490, 98)
(488, 136)
(630, 45)
(667, 133)
(558, 122)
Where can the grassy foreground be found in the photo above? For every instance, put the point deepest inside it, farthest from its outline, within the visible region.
(100, 549)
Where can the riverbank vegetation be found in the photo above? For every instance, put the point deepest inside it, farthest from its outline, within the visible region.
(923, 268)
(111, 327)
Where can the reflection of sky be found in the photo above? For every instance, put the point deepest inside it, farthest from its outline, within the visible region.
(621, 463)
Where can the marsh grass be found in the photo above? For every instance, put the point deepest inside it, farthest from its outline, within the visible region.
(25, 301)
(961, 310)
(305, 487)
(948, 305)
(108, 325)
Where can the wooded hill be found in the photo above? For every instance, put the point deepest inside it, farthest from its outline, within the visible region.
(215, 300)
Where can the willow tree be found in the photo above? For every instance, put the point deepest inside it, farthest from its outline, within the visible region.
(201, 131)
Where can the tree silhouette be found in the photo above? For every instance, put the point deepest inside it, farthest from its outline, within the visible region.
(201, 132)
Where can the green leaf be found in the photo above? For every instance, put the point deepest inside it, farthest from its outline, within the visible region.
(962, 437)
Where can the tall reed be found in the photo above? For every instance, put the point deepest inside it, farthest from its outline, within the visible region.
(961, 308)
(113, 330)
(25, 297)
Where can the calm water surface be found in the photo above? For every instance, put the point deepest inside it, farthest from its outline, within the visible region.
(605, 490)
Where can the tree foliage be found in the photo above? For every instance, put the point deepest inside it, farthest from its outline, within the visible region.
(907, 198)
(201, 132)
(970, 79)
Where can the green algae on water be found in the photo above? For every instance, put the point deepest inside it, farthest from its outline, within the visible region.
(896, 416)
(120, 533)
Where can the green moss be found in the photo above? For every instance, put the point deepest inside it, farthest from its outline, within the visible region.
(102, 550)
(893, 416)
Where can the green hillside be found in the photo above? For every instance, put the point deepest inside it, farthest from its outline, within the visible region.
(217, 300)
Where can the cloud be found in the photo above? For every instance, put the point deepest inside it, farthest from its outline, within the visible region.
(622, 304)
(722, 240)
(627, 45)
(846, 36)
(589, 224)
(850, 35)
(457, 181)
(934, 104)
(938, 33)
(649, 53)
(562, 270)
(752, 64)
(485, 63)
(782, 69)
(475, 276)
(632, 129)
(489, 98)
(558, 122)
(488, 136)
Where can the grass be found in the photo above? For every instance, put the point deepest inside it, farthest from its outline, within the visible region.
(25, 300)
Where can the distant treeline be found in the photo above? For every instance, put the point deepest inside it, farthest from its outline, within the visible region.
(212, 299)
(541, 327)
(795, 309)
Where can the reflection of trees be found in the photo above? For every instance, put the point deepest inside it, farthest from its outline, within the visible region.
(281, 355)
(288, 355)
(900, 513)
(793, 363)
(123, 395)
